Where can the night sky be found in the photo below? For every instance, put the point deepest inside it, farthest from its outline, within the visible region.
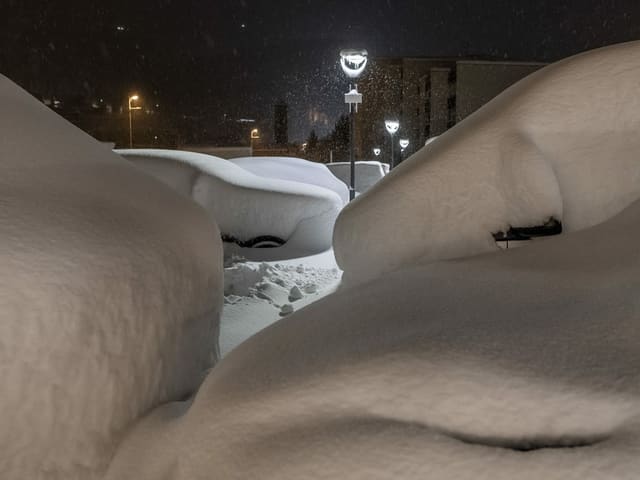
(239, 57)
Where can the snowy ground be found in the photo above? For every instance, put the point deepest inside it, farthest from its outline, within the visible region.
(259, 293)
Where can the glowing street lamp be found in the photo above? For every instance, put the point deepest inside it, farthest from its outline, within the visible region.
(353, 63)
(404, 143)
(255, 135)
(132, 98)
(392, 127)
(377, 152)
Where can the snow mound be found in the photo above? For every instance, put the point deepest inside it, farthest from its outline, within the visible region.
(295, 170)
(523, 364)
(247, 208)
(110, 295)
(368, 173)
(561, 143)
(258, 294)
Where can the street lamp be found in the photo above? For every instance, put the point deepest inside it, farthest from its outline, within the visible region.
(404, 143)
(377, 151)
(353, 63)
(132, 99)
(255, 135)
(392, 127)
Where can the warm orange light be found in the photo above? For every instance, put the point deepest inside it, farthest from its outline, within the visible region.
(134, 98)
(255, 133)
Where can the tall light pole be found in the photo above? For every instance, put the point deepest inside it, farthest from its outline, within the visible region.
(392, 127)
(353, 63)
(132, 99)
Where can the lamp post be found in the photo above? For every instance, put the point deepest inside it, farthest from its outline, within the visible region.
(353, 63)
(392, 127)
(404, 143)
(132, 99)
(255, 135)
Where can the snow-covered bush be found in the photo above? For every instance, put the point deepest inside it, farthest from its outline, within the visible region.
(296, 170)
(561, 143)
(247, 207)
(110, 295)
(368, 173)
(523, 364)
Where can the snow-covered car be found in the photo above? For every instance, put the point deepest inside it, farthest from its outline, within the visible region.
(538, 152)
(110, 294)
(295, 170)
(368, 173)
(250, 210)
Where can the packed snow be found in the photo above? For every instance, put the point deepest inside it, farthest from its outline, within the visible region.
(368, 173)
(259, 293)
(245, 206)
(561, 143)
(296, 170)
(110, 295)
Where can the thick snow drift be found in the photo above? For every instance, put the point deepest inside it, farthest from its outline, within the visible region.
(245, 206)
(110, 295)
(368, 173)
(296, 170)
(523, 364)
(563, 142)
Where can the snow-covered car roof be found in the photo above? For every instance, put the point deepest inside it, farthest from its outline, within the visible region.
(247, 207)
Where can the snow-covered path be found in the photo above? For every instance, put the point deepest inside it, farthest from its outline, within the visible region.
(257, 294)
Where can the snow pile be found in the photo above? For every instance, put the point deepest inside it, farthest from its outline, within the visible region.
(561, 143)
(367, 173)
(295, 170)
(110, 295)
(258, 294)
(523, 364)
(247, 207)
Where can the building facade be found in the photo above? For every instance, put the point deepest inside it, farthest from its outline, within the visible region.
(428, 96)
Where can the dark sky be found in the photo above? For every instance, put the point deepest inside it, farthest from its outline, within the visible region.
(238, 57)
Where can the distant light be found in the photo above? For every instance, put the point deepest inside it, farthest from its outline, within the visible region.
(244, 120)
(255, 133)
(132, 99)
(353, 62)
(244, 25)
(377, 152)
(392, 126)
(404, 143)
(121, 28)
